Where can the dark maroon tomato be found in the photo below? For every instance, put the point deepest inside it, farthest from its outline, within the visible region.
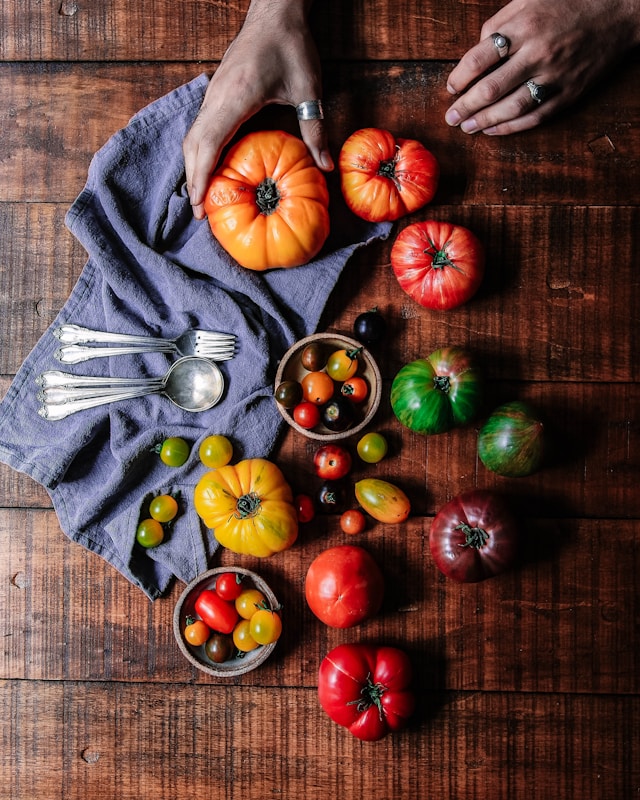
(332, 462)
(474, 537)
(338, 414)
(313, 357)
(305, 508)
(369, 327)
(219, 648)
(289, 394)
(331, 497)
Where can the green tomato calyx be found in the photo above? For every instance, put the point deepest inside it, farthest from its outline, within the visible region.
(442, 383)
(370, 695)
(440, 259)
(474, 537)
(248, 505)
(267, 196)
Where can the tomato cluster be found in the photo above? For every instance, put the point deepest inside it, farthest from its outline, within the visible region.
(233, 618)
(162, 510)
(331, 391)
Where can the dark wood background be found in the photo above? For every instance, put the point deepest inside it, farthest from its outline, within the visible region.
(529, 683)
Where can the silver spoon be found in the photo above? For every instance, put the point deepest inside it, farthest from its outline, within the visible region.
(191, 383)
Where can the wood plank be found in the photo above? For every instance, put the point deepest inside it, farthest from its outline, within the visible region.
(550, 625)
(172, 740)
(56, 116)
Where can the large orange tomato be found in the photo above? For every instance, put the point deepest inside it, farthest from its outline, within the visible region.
(268, 203)
(384, 178)
(249, 506)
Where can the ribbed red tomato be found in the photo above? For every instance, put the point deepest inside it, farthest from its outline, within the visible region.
(384, 178)
(474, 537)
(367, 689)
(438, 264)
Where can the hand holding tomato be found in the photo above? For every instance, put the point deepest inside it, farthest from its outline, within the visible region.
(367, 689)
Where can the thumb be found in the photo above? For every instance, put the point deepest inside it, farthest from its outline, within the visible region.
(314, 135)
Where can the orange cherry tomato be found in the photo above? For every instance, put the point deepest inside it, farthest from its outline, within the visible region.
(343, 364)
(355, 389)
(196, 632)
(317, 387)
(353, 521)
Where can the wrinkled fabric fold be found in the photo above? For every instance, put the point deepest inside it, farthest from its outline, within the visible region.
(153, 269)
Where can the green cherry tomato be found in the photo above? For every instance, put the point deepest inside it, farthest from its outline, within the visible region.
(174, 451)
(149, 533)
(215, 451)
(163, 508)
(372, 447)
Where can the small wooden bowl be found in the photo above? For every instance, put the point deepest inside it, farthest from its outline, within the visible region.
(291, 369)
(185, 607)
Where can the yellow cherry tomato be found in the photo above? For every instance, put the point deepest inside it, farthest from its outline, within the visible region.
(249, 602)
(265, 626)
(215, 451)
(242, 637)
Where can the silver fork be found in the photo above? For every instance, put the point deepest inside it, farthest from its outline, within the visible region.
(210, 344)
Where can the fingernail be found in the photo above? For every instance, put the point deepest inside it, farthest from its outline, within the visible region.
(450, 89)
(326, 160)
(452, 117)
(490, 131)
(469, 126)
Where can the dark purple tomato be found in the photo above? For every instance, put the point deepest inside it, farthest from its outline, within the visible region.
(338, 414)
(369, 327)
(331, 497)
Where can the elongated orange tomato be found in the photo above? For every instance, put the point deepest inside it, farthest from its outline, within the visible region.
(384, 178)
(249, 506)
(268, 204)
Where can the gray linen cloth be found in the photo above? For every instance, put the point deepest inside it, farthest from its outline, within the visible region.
(152, 269)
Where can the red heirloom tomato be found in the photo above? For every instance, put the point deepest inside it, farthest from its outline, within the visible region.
(344, 586)
(439, 264)
(220, 615)
(268, 203)
(367, 689)
(474, 537)
(384, 178)
(332, 462)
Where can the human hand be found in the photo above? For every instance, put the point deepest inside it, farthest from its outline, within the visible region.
(272, 60)
(562, 46)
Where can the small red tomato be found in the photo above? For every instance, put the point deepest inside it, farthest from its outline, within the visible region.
(355, 389)
(220, 615)
(353, 521)
(332, 462)
(305, 507)
(229, 585)
(306, 414)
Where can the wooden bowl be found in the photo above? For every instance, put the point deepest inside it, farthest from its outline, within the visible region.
(290, 368)
(185, 607)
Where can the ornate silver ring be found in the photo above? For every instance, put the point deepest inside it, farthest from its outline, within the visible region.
(536, 90)
(501, 43)
(310, 109)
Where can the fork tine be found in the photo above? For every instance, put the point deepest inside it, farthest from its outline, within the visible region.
(214, 336)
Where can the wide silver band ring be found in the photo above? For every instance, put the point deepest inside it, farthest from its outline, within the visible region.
(501, 43)
(310, 109)
(536, 90)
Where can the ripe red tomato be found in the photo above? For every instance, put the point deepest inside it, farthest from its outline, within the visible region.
(267, 203)
(355, 389)
(384, 178)
(220, 615)
(438, 264)
(305, 507)
(344, 586)
(229, 585)
(367, 689)
(332, 462)
(474, 537)
(306, 414)
(353, 521)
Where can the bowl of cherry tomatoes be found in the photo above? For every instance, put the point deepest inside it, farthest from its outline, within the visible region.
(328, 386)
(227, 621)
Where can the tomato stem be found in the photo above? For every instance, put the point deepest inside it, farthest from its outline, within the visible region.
(474, 537)
(370, 695)
(267, 196)
(442, 383)
(248, 505)
(440, 258)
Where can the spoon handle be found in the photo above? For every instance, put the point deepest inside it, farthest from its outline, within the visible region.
(55, 377)
(77, 353)
(58, 395)
(55, 412)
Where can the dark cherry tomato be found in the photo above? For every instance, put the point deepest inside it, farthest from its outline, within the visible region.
(307, 414)
(220, 615)
(219, 648)
(369, 327)
(288, 394)
(313, 357)
(355, 389)
(338, 414)
(305, 507)
(229, 585)
(331, 497)
(332, 462)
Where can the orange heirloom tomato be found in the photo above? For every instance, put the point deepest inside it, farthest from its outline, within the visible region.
(384, 178)
(249, 506)
(268, 203)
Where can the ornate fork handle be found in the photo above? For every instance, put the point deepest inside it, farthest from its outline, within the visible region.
(77, 353)
(76, 334)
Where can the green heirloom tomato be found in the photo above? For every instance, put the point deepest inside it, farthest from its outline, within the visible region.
(437, 393)
(510, 443)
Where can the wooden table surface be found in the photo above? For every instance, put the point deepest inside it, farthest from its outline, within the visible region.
(528, 684)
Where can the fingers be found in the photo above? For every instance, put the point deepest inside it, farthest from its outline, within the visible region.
(314, 135)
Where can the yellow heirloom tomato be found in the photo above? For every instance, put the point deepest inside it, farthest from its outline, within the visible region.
(249, 506)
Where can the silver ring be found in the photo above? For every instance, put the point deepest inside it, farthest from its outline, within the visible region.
(310, 109)
(536, 90)
(501, 43)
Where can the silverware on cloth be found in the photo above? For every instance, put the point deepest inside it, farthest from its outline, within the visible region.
(209, 344)
(192, 383)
